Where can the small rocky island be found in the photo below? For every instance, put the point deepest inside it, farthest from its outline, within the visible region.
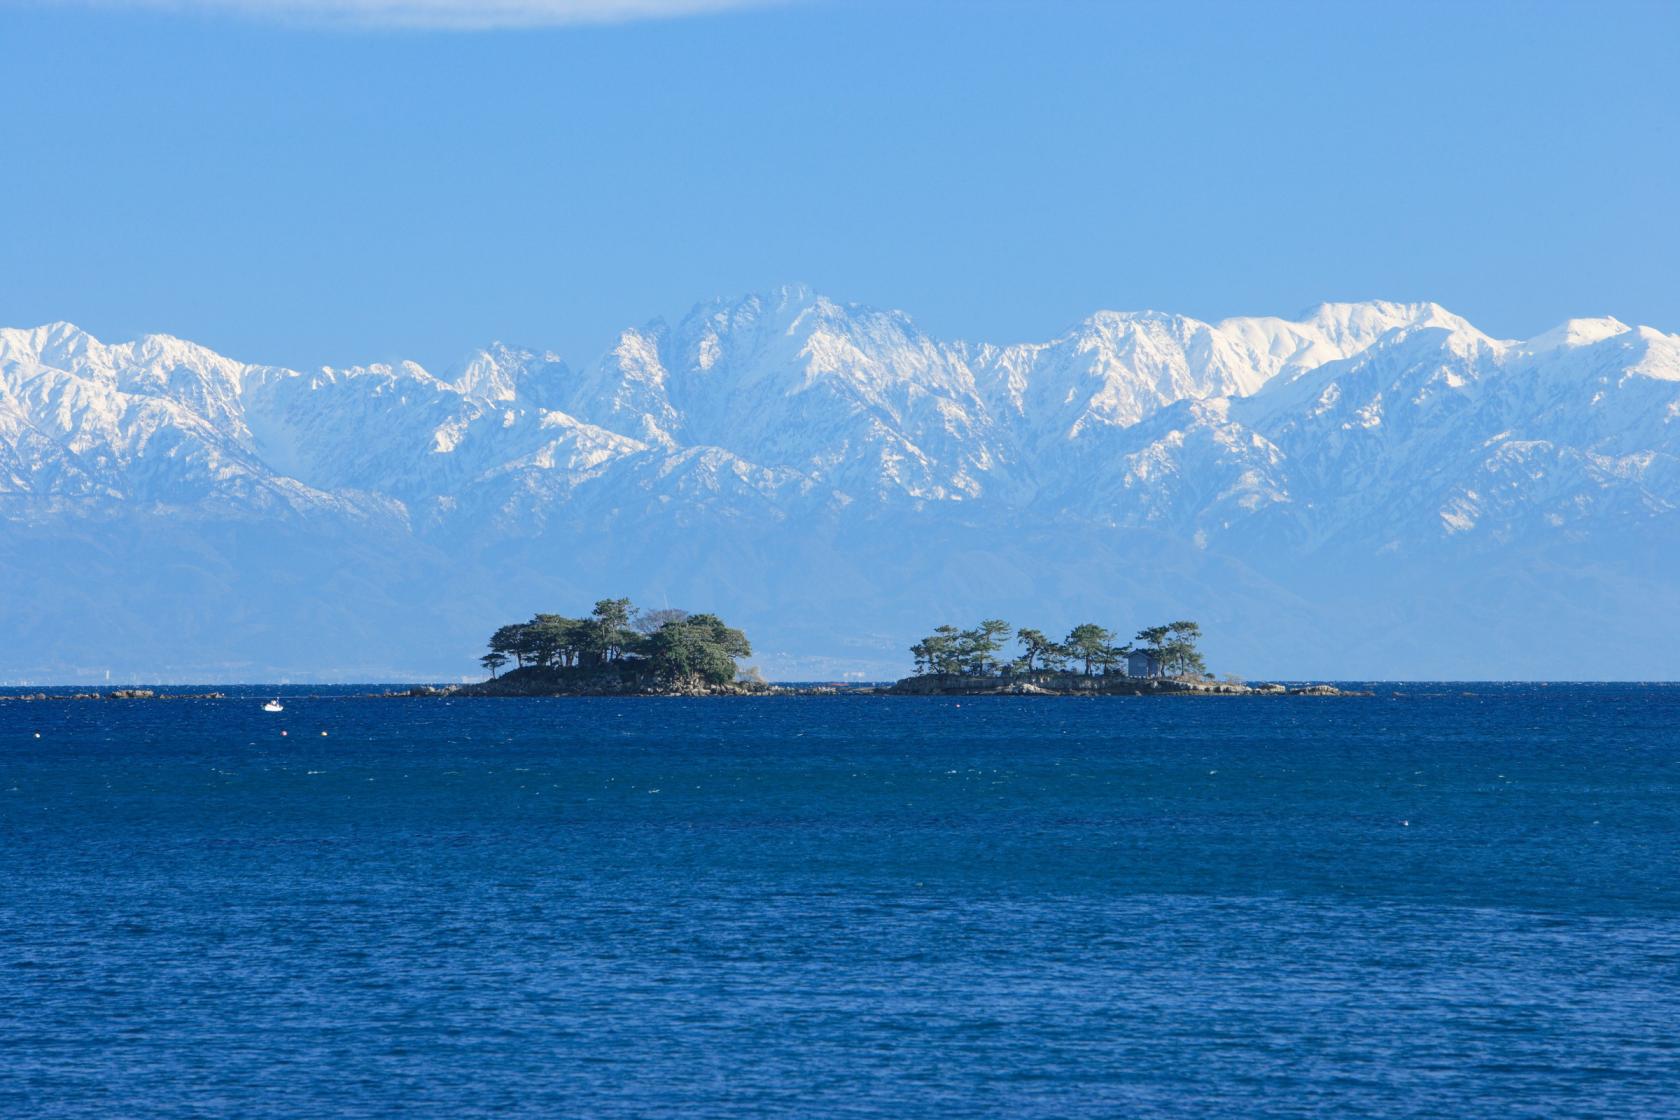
(618, 650)
(1090, 661)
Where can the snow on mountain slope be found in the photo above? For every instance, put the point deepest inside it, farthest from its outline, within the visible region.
(1283, 348)
(1116, 368)
(852, 400)
(759, 429)
(156, 421)
(1430, 432)
(852, 397)
(1113, 370)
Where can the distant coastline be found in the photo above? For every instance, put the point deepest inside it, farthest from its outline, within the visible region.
(540, 683)
(620, 650)
(534, 684)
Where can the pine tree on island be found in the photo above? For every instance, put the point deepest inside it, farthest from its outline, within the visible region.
(1089, 650)
(618, 648)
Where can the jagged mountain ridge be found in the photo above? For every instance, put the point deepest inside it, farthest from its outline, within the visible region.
(1355, 433)
(858, 402)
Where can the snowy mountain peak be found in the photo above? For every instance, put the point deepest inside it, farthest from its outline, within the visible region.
(497, 372)
(1575, 333)
(853, 400)
(787, 450)
(56, 343)
(1357, 323)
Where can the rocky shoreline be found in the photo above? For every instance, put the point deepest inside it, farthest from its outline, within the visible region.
(1060, 684)
(115, 694)
(1077, 684)
(492, 689)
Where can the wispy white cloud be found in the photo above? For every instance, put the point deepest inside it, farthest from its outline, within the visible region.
(466, 15)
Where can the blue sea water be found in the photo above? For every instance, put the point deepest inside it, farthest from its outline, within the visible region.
(1443, 901)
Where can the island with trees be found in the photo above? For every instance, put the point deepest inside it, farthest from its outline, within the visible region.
(617, 649)
(1090, 661)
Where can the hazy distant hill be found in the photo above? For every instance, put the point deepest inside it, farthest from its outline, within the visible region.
(1373, 489)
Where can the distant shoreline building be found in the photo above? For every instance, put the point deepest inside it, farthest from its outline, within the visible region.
(1141, 663)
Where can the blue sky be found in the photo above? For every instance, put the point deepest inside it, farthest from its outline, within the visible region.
(340, 185)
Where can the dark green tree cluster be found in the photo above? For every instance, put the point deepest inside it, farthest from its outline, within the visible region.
(969, 652)
(1174, 647)
(662, 646)
(1088, 648)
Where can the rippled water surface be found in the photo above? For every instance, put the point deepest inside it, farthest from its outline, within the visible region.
(1423, 903)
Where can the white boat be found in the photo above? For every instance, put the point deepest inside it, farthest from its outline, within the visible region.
(274, 705)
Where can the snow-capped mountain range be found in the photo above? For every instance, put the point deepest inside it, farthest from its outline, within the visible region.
(1370, 489)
